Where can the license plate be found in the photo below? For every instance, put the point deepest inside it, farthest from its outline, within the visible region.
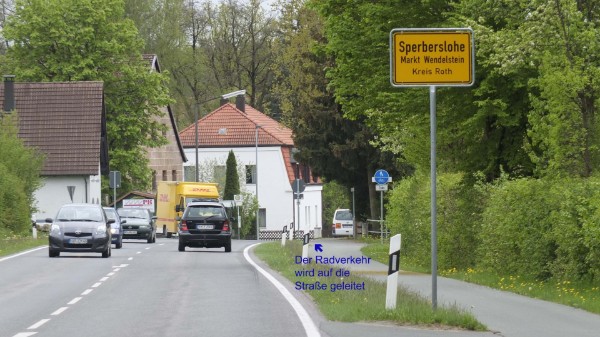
(205, 227)
(78, 241)
(130, 232)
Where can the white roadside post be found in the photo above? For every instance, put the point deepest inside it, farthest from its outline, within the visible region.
(283, 234)
(305, 246)
(291, 232)
(393, 268)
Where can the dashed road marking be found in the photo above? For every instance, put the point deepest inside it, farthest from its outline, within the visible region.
(103, 279)
(87, 291)
(25, 334)
(75, 300)
(38, 324)
(59, 311)
(96, 285)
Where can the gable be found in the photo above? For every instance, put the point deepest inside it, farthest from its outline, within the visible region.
(65, 121)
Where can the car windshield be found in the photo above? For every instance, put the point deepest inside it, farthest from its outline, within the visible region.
(343, 215)
(111, 214)
(135, 213)
(79, 213)
(205, 211)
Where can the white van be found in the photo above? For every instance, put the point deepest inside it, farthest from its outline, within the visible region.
(342, 223)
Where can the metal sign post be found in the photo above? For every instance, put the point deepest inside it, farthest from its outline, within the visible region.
(430, 57)
(382, 178)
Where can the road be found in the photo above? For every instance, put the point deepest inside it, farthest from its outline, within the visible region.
(154, 290)
(142, 290)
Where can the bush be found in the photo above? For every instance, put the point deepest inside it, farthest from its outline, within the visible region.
(459, 208)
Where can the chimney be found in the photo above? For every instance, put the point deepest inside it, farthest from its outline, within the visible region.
(240, 102)
(9, 93)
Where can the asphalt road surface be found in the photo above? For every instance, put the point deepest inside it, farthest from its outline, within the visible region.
(154, 290)
(142, 290)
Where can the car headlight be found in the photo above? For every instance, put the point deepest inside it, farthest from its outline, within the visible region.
(144, 226)
(101, 230)
(114, 230)
(55, 230)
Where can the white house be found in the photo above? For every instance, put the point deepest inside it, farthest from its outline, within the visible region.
(65, 121)
(264, 147)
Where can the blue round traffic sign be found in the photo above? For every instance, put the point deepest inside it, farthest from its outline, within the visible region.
(381, 177)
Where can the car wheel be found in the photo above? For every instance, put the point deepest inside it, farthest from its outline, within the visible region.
(228, 247)
(181, 247)
(119, 244)
(106, 253)
(52, 253)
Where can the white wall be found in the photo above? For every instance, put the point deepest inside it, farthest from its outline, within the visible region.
(54, 193)
(275, 192)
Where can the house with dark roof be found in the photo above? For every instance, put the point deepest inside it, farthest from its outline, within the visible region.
(264, 147)
(66, 122)
(166, 161)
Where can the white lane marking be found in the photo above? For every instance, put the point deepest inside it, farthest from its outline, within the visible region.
(309, 326)
(96, 285)
(148, 247)
(103, 279)
(162, 244)
(111, 273)
(129, 259)
(87, 291)
(38, 324)
(138, 252)
(59, 311)
(122, 265)
(117, 269)
(75, 300)
(23, 253)
(25, 334)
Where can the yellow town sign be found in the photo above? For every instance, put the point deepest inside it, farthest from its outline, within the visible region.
(440, 57)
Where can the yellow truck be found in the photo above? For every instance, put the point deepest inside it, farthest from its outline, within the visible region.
(173, 196)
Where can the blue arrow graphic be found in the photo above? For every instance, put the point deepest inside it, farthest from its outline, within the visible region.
(319, 247)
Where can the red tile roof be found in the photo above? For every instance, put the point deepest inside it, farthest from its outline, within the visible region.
(229, 127)
(65, 121)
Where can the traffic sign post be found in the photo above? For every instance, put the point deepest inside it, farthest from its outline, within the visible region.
(432, 57)
(381, 178)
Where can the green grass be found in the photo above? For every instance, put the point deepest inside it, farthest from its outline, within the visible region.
(362, 305)
(578, 294)
(16, 244)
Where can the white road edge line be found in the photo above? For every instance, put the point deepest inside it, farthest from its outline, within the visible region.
(59, 311)
(309, 326)
(75, 300)
(23, 253)
(38, 324)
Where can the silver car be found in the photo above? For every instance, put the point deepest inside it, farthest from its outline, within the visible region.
(80, 228)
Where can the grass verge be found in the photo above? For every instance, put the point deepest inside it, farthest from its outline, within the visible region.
(578, 294)
(16, 244)
(361, 305)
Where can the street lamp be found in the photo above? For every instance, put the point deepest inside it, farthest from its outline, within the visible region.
(226, 96)
(256, 181)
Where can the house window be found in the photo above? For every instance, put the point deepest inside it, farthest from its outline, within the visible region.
(174, 175)
(262, 218)
(189, 173)
(154, 184)
(164, 177)
(219, 172)
(250, 174)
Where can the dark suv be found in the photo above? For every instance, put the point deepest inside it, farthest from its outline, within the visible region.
(205, 224)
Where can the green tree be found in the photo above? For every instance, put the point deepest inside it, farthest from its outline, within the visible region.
(20, 168)
(90, 40)
(334, 196)
(232, 179)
